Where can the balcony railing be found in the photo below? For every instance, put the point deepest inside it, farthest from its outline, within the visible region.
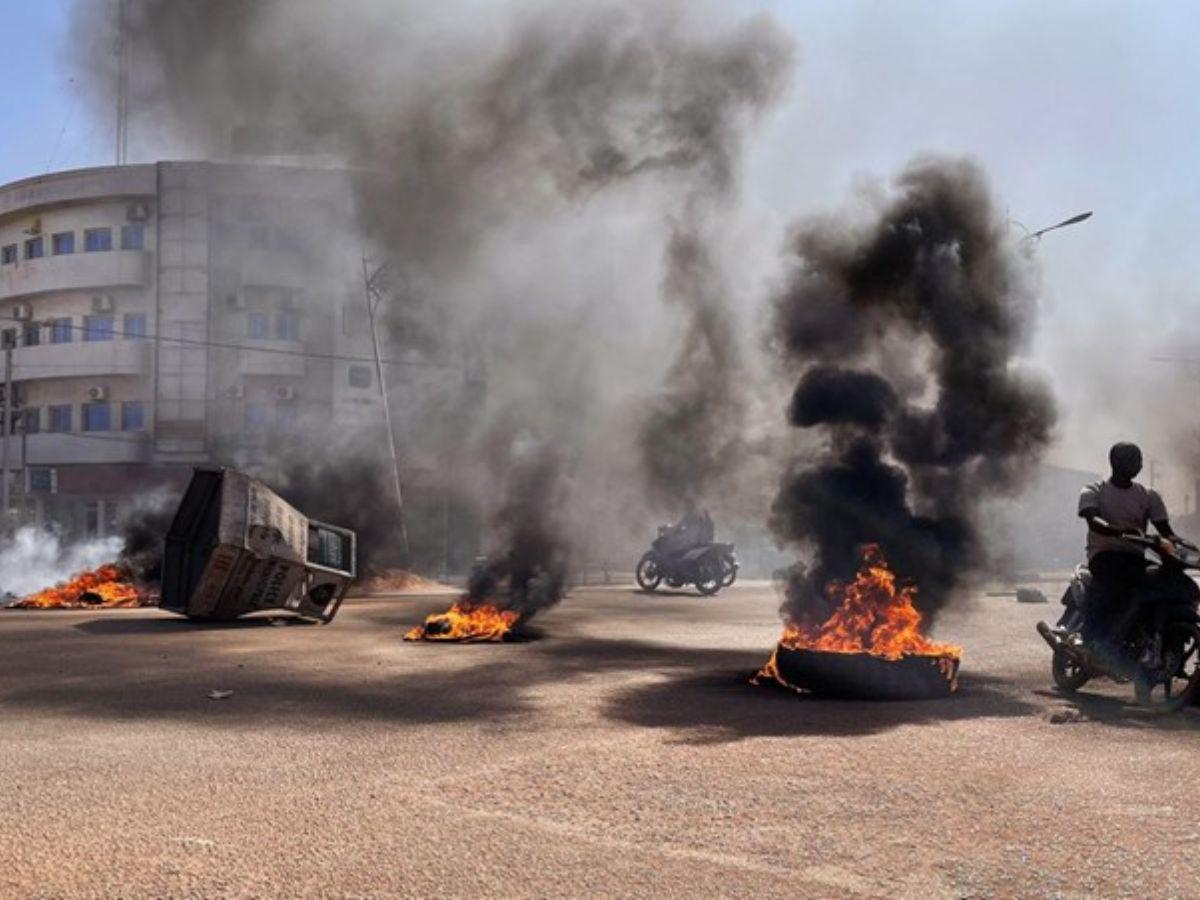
(71, 448)
(82, 359)
(74, 271)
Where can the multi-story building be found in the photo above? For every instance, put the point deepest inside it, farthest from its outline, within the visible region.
(172, 314)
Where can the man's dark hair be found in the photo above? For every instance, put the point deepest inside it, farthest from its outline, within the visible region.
(1125, 458)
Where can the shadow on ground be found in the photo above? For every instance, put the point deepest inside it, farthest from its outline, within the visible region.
(133, 668)
(1124, 711)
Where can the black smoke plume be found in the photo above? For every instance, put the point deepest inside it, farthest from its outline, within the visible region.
(528, 570)
(467, 133)
(910, 446)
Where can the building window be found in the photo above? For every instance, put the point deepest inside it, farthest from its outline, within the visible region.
(258, 416)
(8, 338)
(133, 415)
(258, 326)
(8, 254)
(33, 335)
(31, 418)
(133, 237)
(96, 417)
(360, 376)
(34, 248)
(98, 328)
(41, 480)
(63, 243)
(96, 240)
(287, 326)
(135, 325)
(287, 417)
(60, 418)
(60, 331)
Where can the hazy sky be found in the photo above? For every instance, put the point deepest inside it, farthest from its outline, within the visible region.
(1069, 105)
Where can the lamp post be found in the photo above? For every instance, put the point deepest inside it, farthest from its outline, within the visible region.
(374, 289)
(1037, 235)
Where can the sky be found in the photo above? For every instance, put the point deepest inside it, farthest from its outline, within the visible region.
(1070, 106)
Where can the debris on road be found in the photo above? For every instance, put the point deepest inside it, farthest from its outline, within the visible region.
(236, 547)
(219, 695)
(1030, 595)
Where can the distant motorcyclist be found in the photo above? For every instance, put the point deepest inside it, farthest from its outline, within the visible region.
(1112, 508)
(693, 529)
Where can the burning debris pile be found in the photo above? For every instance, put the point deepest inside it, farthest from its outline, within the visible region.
(105, 587)
(530, 573)
(907, 331)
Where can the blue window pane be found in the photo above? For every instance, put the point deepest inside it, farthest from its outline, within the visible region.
(97, 239)
(34, 248)
(360, 376)
(258, 416)
(60, 331)
(287, 327)
(133, 415)
(60, 418)
(8, 254)
(98, 328)
(33, 335)
(63, 242)
(135, 325)
(258, 325)
(287, 417)
(133, 237)
(31, 416)
(96, 417)
(41, 480)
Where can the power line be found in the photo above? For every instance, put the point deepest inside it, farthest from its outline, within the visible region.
(249, 348)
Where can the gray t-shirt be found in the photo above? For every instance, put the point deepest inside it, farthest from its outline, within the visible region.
(1129, 509)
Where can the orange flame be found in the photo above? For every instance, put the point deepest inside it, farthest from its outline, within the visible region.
(105, 587)
(465, 622)
(873, 616)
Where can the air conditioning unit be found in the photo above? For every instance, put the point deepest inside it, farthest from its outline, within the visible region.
(235, 392)
(137, 212)
(103, 303)
(22, 311)
(97, 392)
(236, 300)
(35, 227)
(286, 392)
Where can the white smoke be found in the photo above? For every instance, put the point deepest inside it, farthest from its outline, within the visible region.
(35, 558)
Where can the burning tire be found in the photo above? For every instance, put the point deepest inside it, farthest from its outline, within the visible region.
(861, 676)
(648, 573)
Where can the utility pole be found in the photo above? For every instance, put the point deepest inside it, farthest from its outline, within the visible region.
(122, 53)
(6, 428)
(372, 283)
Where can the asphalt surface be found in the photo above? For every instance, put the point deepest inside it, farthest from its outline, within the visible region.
(621, 753)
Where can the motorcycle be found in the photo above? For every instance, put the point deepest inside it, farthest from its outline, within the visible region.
(1159, 648)
(710, 566)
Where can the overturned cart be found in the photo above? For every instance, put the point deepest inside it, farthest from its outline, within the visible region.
(235, 547)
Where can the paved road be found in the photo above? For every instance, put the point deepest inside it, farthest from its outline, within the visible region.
(620, 754)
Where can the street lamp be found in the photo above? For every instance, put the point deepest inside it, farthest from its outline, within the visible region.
(1037, 235)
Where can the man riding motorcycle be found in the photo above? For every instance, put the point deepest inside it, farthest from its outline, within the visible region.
(1115, 508)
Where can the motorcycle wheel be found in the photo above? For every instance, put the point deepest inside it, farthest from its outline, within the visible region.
(1174, 685)
(709, 576)
(729, 570)
(649, 576)
(1069, 674)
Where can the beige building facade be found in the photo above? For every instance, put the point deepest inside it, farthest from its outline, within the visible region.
(166, 315)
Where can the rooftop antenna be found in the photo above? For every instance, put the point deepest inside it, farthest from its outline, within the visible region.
(122, 52)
